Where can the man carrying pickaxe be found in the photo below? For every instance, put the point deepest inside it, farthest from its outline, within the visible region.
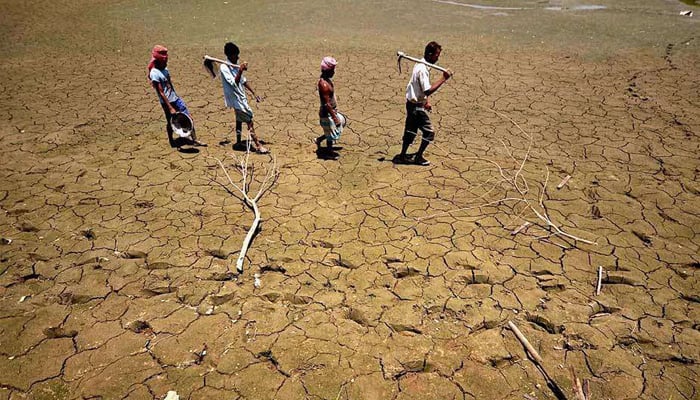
(418, 105)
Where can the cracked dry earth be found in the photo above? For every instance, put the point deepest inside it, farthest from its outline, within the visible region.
(117, 280)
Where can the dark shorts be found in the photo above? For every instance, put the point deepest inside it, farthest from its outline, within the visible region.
(244, 116)
(179, 106)
(417, 118)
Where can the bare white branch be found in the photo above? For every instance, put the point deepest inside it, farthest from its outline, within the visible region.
(515, 180)
(247, 179)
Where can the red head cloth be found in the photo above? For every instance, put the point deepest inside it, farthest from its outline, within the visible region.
(328, 63)
(159, 53)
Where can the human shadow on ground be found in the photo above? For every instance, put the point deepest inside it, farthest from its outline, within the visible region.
(397, 160)
(186, 145)
(243, 145)
(188, 150)
(324, 153)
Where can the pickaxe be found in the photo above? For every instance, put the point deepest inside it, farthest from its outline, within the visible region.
(209, 64)
(401, 54)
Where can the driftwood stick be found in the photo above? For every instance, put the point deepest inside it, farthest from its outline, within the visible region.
(227, 175)
(563, 182)
(252, 204)
(600, 280)
(537, 359)
(580, 391)
(535, 355)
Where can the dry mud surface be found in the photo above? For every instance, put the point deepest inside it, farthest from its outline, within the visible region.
(119, 269)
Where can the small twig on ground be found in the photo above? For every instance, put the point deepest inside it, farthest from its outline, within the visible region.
(339, 392)
(516, 180)
(520, 228)
(531, 350)
(535, 357)
(581, 392)
(600, 280)
(563, 182)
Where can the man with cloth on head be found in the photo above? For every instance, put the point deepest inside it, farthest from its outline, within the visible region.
(418, 105)
(160, 79)
(235, 84)
(330, 119)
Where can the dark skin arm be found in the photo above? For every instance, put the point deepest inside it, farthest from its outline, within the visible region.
(161, 94)
(325, 89)
(445, 76)
(247, 86)
(244, 66)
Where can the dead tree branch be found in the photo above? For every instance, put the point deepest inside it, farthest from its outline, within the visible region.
(515, 180)
(247, 179)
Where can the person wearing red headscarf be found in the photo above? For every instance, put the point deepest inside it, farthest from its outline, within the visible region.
(331, 120)
(159, 76)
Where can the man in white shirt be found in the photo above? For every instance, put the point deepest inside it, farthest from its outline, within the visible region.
(234, 84)
(418, 105)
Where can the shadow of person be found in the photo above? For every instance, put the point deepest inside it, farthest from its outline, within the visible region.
(407, 160)
(323, 153)
(188, 150)
(242, 146)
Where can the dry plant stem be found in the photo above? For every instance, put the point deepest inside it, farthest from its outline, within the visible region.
(544, 189)
(252, 203)
(472, 207)
(580, 391)
(600, 280)
(535, 357)
(500, 169)
(520, 228)
(542, 216)
(248, 238)
(518, 182)
(563, 182)
(529, 146)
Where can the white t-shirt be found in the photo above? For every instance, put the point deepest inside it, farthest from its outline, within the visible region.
(234, 93)
(162, 76)
(419, 83)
